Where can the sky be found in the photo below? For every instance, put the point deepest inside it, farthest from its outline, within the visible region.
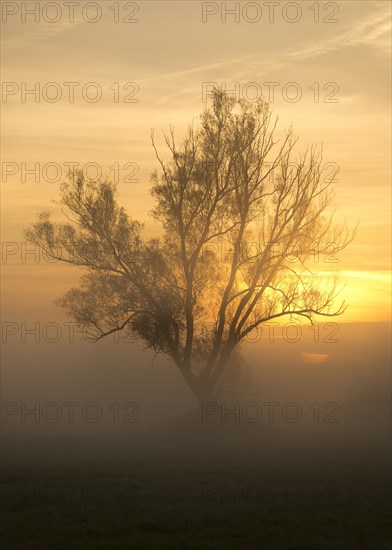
(154, 71)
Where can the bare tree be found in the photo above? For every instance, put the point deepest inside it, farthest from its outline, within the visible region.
(229, 184)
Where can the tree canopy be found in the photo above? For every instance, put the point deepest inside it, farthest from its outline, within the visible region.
(242, 217)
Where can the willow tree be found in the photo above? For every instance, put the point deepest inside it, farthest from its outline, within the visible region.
(242, 220)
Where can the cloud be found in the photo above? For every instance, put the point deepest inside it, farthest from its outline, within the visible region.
(315, 358)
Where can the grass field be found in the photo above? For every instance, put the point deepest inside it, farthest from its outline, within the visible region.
(207, 494)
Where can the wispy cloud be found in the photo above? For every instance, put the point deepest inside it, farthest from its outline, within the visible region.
(373, 32)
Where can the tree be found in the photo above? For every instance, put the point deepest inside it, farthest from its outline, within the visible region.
(229, 184)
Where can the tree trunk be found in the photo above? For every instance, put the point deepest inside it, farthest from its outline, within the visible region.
(202, 388)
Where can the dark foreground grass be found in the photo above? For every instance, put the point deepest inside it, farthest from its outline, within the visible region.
(200, 487)
(161, 506)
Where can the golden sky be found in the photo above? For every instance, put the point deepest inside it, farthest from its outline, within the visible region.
(168, 54)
